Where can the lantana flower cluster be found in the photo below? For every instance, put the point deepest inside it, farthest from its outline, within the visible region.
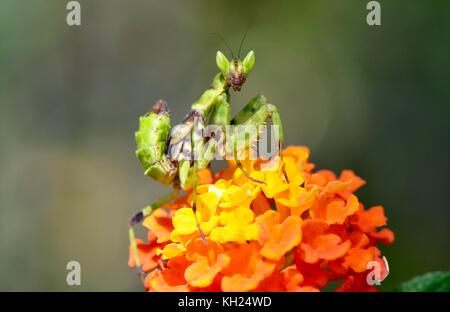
(299, 231)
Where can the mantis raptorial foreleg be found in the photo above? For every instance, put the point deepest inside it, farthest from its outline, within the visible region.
(220, 117)
(249, 110)
(258, 112)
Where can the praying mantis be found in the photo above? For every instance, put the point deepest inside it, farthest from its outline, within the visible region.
(159, 146)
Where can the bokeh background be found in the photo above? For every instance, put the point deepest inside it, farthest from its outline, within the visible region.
(373, 99)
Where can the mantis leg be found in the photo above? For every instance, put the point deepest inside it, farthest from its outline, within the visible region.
(258, 112)
(139, 217)
(241, 118)
(194, 202)
(198, 145)
(189, 174)
(249, 109)
(188, 168)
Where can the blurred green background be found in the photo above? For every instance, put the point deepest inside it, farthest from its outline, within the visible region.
(373, 99)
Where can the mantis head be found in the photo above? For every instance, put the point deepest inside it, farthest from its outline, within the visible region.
(235, 71)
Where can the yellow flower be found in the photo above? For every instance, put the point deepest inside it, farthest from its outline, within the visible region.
(184, 222)
(236, 196)
(238, 226)
(171, 250)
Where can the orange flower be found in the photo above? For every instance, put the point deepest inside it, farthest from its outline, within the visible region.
(247, 268)
(147, 254)
(169, 279)
(358, 258)
(369, 220)
(318, 245)
(297, 232)
(277, 239)
(208, 261)
(385, 236)
(160, 224)
(335, 210)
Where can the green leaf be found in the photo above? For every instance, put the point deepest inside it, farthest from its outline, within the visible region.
(433, 281)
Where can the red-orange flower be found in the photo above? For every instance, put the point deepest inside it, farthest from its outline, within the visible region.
(297, 232)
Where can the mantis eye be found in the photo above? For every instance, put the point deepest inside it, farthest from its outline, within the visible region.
(222, 62)
(248, 62)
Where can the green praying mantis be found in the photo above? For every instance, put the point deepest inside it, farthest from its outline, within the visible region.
(159, 146)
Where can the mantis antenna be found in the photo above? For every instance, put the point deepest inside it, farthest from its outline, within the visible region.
(226, 44)
(243, 38)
